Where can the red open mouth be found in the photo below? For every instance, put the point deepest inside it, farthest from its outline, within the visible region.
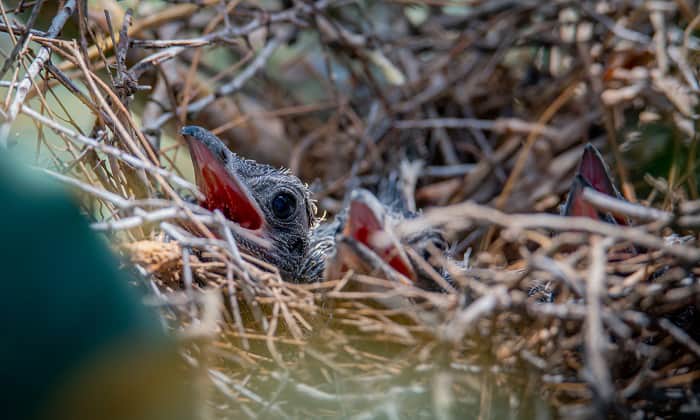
(222, 188)
(576, 206)
(367, 227)
(592, 173)
(593, 170)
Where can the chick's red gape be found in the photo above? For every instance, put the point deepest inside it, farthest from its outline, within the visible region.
(222, 190)
(365, 226)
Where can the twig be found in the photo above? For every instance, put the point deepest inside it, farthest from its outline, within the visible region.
(20, 44)
(103, 194)
(500, 125)
(118, 153)
(455, 330)
(463, 215)
(236, 256)
(41, 58)
(680, 335)
(596, 340)
(234, 85)
(615, 205)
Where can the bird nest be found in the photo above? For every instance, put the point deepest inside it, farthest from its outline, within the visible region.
(482, 109)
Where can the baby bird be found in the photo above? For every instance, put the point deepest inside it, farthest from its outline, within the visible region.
(269, 203)
(370, 222)
(274, 205)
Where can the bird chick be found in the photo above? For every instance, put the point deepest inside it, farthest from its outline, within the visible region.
(268, 203)
(369, 222)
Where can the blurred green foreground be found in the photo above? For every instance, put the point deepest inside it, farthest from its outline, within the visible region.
(76, 341)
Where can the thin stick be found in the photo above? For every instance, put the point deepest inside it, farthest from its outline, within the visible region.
(596, 341)
(41, 58)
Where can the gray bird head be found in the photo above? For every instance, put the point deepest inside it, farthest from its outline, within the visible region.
(270, 203)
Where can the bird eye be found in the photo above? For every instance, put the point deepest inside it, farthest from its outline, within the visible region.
(283, 205)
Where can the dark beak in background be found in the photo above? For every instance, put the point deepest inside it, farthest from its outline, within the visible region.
(593, 170)
(217, 179)
(575, 205)
(367, 224)
(591, 173)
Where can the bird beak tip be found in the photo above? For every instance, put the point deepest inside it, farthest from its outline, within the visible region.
(190, 130)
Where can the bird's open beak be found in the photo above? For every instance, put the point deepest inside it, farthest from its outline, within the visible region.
(592, 169)
(219, 182)
(575, 205)
(367, 224)
(591, 173)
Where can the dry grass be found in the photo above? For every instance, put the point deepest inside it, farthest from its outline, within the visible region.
(495, 99)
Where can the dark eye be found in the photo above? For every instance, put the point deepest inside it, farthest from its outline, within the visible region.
(283, 205)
